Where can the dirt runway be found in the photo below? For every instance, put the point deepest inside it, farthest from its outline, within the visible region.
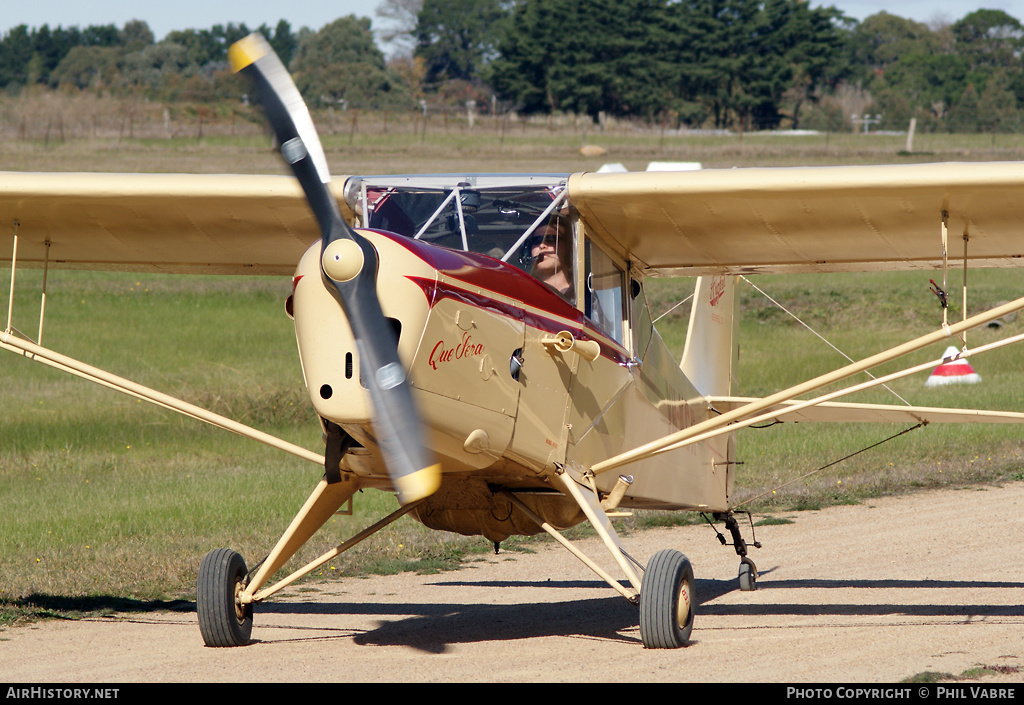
(872, 593)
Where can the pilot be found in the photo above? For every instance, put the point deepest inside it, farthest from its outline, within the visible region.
(550, 252)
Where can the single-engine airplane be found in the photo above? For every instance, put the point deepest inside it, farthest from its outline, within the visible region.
(482, 346)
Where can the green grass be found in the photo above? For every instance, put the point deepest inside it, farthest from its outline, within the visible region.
(109, 503)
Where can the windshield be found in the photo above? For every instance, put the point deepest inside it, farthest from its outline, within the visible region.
(492, 215)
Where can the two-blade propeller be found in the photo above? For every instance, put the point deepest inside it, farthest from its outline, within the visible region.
(349, 269)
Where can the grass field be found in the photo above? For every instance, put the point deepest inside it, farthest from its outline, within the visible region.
(109, 502)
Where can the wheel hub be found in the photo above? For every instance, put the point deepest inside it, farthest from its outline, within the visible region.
(683, 605)
(239, 607)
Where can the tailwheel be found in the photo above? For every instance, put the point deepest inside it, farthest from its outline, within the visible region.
(667, 601)
(748, 575)
(223, 619)
(748, 571)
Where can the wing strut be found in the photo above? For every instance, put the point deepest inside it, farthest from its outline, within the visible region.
(38, 353)
(703, 430)
(10, 341)
(14, 265)
(942, 292)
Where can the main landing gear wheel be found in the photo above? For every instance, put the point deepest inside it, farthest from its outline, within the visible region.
(748, 575)
(667, 601)
(223, 619)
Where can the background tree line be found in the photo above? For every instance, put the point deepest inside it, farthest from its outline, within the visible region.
(721, 64)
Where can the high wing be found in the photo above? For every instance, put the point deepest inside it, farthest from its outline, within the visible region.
(179, 223)
(807, 219)
(801, 219)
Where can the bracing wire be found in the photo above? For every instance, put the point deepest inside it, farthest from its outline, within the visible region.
(827, 466)
(818, 335)
(672, 309)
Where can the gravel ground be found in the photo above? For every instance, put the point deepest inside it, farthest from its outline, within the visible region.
(877, 592)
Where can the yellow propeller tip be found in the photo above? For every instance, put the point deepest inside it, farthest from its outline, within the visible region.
(418, 485)
(247, 51)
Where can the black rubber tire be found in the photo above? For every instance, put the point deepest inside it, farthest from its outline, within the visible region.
(222, 620)
(748, 575)
(667, 601)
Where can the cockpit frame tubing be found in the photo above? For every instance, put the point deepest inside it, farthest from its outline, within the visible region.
(432, 218)
(540, 219)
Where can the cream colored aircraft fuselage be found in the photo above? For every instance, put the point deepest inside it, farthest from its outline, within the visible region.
(505, 402)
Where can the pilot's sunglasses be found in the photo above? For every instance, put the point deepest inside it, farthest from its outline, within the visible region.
(537, 240)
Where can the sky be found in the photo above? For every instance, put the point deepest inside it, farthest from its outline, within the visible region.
(924, 10)
(163, 17)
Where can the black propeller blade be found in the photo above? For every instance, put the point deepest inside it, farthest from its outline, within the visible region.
(349, 268)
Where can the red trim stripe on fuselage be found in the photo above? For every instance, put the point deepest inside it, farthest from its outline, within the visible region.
(496, 277)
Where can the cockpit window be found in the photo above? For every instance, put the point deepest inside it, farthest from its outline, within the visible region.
(604, 302)
(491, 215)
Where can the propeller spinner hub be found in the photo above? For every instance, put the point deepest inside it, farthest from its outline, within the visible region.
(342, 260)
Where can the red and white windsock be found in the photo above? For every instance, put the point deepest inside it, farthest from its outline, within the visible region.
(953, 372)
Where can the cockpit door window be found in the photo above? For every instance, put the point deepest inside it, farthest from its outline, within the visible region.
(605, 304)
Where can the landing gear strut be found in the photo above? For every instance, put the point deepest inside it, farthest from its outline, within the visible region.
(748, 571)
